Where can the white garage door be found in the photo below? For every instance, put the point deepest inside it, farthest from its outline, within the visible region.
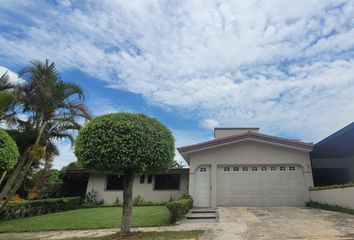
(261, 186)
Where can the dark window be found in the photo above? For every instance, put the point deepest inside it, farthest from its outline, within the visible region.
(167, 182)
(149, 178)
(115, 182)
(142, 179)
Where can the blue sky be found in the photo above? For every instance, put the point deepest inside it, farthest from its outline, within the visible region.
(284, 66)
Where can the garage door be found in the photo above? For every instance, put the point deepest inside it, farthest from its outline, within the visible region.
(261, 186)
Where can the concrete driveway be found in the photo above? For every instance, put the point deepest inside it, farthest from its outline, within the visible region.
(281, 223)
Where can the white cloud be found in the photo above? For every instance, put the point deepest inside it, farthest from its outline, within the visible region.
(66, 155)
(210, 123)
(282, 65)
(12, 76)
(104, 106)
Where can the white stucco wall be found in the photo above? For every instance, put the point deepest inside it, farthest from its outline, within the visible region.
(247, 152)
(343, 197)
(97, 181)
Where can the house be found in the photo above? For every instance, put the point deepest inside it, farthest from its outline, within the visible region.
(239, 167)
(150, 187)
(333, 158)
(242, 167)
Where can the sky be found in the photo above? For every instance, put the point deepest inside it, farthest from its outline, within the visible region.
(282, 65)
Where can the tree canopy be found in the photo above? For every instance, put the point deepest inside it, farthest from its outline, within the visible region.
(125, 141)
(8, 152)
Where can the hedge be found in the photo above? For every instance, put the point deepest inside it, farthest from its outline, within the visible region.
(331, 187)
(334, 208)
(38, 207)
(179, 208)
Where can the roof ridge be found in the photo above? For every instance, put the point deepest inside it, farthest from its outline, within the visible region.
(227, 139)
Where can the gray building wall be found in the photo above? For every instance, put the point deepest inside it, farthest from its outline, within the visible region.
(346, 164)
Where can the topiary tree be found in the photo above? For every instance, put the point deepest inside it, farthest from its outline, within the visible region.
(8, 153)
(128, 144)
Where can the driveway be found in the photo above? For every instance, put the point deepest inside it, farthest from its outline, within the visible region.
(281, 223)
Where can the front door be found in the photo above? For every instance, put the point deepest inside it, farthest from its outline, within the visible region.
(202, 187)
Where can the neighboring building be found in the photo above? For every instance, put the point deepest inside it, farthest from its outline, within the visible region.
(151, 187)
(240, 167)
(333, 158)
(75, 182)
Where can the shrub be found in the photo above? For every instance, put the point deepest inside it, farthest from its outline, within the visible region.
(331, 186)
(16, 198)
(138, 200)
(38, 207)
(179, 208)
(328, 207)
(8, 152)
(92, 200)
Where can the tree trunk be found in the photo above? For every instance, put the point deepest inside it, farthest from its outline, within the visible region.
(127, 201)
(12, 186)
(2, 176)
(18, 175)
(12, 179)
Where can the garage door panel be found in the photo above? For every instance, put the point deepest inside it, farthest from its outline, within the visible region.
(261, 188)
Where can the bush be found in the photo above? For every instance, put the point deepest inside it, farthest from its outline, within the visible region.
(328, 207)
(8, 152)
(39, 207)
(179, 208)
(91, 199)
(331, 186)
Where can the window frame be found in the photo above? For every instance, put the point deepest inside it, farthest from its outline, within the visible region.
(167, 189)
(142, 179)
(149, 179)
(106, 183)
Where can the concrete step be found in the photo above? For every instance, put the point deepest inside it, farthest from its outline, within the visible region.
(202, 210)
(191, 215)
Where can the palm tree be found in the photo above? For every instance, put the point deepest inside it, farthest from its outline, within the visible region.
(54, 111)
(7, 99)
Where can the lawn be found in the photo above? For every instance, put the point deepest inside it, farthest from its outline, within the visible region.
(89, 218)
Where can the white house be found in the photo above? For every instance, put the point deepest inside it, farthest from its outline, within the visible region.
(239, 167)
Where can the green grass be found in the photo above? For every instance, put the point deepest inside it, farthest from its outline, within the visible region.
(328, 207)
(89, 218)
